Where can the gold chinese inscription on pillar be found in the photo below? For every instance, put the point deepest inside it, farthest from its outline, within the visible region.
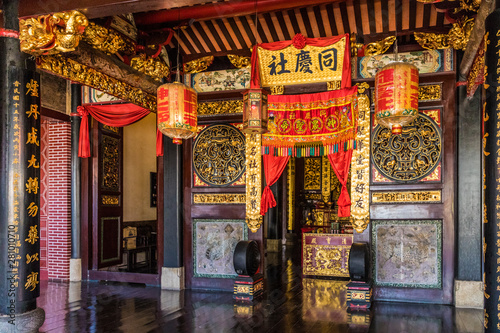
(360, 164)
(32, 142)
(254, 181)
(14, 243)
(325, 178)
(290, 178)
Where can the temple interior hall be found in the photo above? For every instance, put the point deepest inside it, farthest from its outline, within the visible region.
(250, 166)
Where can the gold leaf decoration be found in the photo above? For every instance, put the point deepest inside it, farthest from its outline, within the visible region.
(239, 61)
(379, 47)
(74, 71)
(154, 67)
(49, 34)
(107, 40)
(198, 65)
(457, 38)
(220, 107)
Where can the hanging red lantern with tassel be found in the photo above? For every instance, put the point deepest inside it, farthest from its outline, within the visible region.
(396, 95)
(177, 111)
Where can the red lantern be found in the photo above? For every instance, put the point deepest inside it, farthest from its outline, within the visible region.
(177, 106)
(255, 111)
(396, 95)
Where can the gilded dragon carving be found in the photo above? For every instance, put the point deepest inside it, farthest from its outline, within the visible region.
(198, 65)
(456, 38)
(239, 61)
(107, 40)
(154, 67)
(47, 34)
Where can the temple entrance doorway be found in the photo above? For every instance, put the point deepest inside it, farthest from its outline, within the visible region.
(122, 224)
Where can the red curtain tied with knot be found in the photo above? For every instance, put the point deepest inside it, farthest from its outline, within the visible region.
(273, 168)
(341, 161)
(116, 115)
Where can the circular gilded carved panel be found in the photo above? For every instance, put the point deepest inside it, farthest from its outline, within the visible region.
(410, 156)
(219, 155)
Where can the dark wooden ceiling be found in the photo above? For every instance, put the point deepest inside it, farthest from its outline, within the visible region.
(236, 32)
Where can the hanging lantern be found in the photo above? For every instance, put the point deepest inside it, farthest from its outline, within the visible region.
(396, 95)
(177, 106)
(255, 111)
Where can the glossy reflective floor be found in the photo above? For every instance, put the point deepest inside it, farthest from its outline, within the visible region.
(290, 304)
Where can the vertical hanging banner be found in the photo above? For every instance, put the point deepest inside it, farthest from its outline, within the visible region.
(491, 141)
(360, 164)
(253, 161)
(23, 189)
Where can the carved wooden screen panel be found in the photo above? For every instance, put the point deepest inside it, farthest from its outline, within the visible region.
(108, 227)
(214, 180)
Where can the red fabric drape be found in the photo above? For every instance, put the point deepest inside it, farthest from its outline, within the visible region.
(341, 161)
(346, 66)
(111, 115)
(273, 168)
(159, 143)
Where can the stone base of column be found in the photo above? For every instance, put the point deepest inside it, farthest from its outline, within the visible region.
(172, 278)
(273, 245)
(469, 294)
(28, 322)
(75, 270)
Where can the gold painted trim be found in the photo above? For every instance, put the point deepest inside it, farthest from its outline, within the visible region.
(220, 107)
(333, 85)
(253, 162)
(76, 72)
(110, 200)
(219, 199)
(360, 164)
(406, 197)
(277, 90)
(429, 92)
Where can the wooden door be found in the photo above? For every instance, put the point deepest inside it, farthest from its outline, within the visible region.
(107, 195)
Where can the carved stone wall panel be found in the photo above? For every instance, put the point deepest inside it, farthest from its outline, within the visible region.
(407, 253)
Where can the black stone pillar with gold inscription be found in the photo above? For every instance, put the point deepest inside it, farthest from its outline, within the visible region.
(19, 181)
(492, 175)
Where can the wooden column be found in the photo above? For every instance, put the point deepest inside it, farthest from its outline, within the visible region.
(19, 181)
(492, 176)
(172, 204)
(76, 100)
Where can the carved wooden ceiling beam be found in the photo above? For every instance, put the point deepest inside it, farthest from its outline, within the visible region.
(112, 67)
(99, 8)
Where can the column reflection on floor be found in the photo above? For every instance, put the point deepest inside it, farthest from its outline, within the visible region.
(290, 303)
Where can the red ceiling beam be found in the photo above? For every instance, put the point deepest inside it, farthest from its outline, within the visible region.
(222, 9)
